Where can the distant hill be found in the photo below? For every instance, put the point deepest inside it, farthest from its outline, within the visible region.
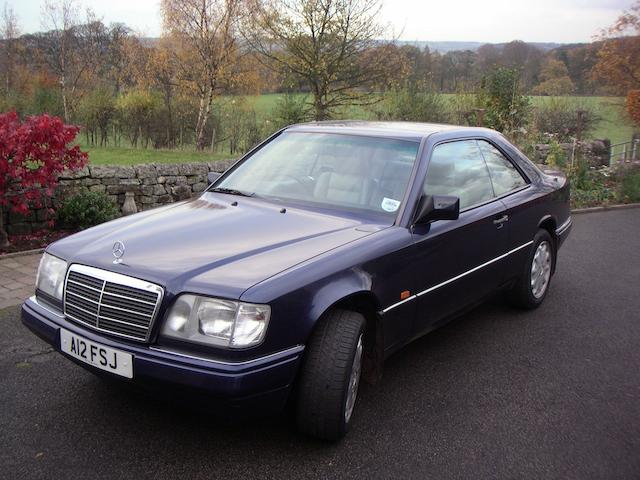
(440, 47)
(444, 47)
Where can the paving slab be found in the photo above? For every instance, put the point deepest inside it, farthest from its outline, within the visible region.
(17, 278)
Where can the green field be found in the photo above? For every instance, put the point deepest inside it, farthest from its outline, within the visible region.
(613, 125)
(131, 156)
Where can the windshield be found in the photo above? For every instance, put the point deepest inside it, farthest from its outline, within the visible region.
(333, 170)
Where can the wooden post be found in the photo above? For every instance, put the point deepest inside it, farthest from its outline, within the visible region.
(580, 124)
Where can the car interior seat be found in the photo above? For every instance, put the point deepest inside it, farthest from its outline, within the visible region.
(349, 183)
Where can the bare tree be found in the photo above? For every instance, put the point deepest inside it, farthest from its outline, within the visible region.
(72, 47)
(9, 32)
(331, 44)
(58, 43)
(206, 48)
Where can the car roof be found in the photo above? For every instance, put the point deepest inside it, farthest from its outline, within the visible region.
(401, 130)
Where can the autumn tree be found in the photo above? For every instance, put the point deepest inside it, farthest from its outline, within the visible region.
(206, 48)
(525, 58)
(118, 36)
(633, 106)
(328, 43)
(554, 78)
(618, 62)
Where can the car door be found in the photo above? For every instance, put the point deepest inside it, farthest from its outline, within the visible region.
(457, 261)
(511, 186)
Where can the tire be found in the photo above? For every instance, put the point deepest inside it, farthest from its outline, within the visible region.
(530, 292)
(331, 365)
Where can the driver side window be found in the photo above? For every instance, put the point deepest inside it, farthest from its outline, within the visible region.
(458, 169)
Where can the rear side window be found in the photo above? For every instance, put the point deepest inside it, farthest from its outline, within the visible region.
(504, 175)
(458, 169)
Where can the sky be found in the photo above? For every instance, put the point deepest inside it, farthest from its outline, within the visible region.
(492, 21)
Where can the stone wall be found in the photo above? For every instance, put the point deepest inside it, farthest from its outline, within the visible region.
(153, 185)
(596, 152)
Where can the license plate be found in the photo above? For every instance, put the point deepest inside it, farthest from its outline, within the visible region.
(100, 356)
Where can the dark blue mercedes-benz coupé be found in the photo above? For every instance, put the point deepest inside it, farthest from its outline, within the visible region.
(298, 271)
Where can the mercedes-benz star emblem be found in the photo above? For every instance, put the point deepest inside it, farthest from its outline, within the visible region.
(118, 251)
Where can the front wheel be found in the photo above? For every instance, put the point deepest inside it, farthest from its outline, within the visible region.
(531, 288)
(330, 375)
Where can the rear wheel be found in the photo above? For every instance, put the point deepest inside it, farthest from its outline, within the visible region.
(531, 288)
(330, 375)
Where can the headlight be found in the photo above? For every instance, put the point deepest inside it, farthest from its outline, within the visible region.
(50, 278)
(213, 321)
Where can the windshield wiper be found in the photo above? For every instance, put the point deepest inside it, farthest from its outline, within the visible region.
(232, 191)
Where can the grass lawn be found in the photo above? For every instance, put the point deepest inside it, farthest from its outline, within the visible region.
(131, 156)
(613, 125)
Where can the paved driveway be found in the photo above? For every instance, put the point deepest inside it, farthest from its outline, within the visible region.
(499, 393)
(17, 278)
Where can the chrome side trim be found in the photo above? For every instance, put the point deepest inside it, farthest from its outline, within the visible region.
(412, 297)
(564, 227)
(292, 350)
(431, 289)
(458, 277)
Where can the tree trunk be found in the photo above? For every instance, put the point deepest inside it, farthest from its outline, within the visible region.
(319, 106)
(320, 111)
(65, 105)
(203, 115)
(4, 238)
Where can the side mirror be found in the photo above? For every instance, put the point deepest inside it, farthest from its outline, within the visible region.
(437, 207)
(213, 176)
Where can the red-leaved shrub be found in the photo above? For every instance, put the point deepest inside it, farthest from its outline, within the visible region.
(32, 155)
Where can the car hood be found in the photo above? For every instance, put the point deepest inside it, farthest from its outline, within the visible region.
(208, 245)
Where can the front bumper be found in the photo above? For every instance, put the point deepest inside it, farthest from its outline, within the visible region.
(262, 383)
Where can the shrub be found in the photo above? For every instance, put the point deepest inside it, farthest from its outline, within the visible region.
(630, 186)
(290, 109)
(87, 209)
(556, 156)
(463, 107)
(411, 103)
(560, 117)
(46, 99)
(136, 112)
(32, 155)
(506, 108)
(591, 187)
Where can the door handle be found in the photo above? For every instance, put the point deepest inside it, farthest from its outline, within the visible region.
(500, 221)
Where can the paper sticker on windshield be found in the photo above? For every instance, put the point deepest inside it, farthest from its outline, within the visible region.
(389, 204)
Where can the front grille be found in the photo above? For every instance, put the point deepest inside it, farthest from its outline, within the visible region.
(111, 302)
